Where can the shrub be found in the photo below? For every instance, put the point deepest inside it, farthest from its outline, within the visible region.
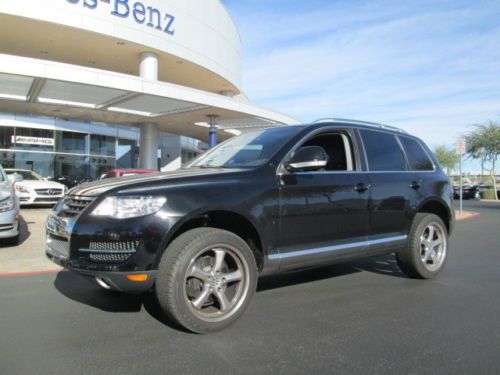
(488, 194)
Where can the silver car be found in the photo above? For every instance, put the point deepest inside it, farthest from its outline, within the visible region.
(9, 209)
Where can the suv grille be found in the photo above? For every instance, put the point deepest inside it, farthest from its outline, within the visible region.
(109, 258)
(74, 205)
(117, 247)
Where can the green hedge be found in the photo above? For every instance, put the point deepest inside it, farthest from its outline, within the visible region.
(488, 194)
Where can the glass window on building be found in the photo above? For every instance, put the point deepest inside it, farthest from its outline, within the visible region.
(7, 159)
(43, 164)
(187, 156)
(102, 145)
(127, 153)
(34, 139)
(70, 142)
(71, 169)
(100, 166)
(7, 136)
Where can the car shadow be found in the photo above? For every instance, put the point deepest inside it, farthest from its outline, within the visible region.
(24, 229)
(85, 290)
(383, 265)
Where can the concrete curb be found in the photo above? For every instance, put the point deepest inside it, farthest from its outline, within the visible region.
(31, 273)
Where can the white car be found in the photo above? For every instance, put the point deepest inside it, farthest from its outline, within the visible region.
(9, 210)
(36, 190)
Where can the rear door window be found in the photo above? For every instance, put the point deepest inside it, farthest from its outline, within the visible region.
(417, 157)
(383, 151)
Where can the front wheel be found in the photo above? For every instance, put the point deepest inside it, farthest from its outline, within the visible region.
(427, 249)
(206, 279)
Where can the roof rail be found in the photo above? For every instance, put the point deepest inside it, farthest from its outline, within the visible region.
(357, 122)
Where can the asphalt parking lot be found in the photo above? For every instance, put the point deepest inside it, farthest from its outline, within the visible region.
(355, 318)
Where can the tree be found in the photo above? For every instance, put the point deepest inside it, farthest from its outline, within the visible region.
(447, 157)
(484, 143)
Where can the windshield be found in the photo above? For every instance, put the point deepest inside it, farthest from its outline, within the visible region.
(247, 150)
(27, 175)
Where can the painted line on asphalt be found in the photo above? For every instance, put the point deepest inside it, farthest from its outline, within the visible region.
(467, 215)
(31, 273)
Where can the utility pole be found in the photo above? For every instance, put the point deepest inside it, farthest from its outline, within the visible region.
(460, 149)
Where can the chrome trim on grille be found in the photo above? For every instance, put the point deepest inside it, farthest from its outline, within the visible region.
(129, 251)
(73, 206)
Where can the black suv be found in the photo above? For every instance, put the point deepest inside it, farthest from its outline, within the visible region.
(263, 202)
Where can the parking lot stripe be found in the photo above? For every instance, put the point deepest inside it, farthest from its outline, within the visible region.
(32, 273)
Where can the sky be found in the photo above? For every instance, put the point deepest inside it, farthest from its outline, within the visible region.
(429, 67)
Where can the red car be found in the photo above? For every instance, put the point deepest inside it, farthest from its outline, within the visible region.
(126, 172)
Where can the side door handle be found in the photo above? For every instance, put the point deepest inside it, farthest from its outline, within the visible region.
(415, 185)
(361, 187)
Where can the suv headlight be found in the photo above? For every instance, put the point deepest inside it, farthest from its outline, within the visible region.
(129, 207)
(22, 189)
(6, 204)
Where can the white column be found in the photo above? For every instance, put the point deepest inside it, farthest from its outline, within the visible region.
(149, 133)
(148, 148)
(149, 66)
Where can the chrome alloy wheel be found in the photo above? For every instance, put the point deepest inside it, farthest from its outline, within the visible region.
(433, 246)
(216, 283)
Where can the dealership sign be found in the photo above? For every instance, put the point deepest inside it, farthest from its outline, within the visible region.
(140, 12)
(22, 140)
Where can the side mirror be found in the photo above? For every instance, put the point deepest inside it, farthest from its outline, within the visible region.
(309, 158)
(13, 178)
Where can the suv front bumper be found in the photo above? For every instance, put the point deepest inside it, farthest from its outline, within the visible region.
(58, 239)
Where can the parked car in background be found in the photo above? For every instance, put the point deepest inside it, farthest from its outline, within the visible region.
(126, 172)
(36, 190)
(472, 191)
(9, 209)
(468, 192)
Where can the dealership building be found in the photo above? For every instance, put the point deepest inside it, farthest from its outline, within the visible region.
(90, 85)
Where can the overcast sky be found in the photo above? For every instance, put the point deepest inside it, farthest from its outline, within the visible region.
(430, 67)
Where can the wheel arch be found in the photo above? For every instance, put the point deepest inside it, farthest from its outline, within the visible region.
(231, 221)
(439, 208)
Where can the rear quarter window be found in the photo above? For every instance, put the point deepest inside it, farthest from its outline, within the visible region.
(383, 151)
(417, 156)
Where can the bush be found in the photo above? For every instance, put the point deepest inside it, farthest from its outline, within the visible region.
(488, 194)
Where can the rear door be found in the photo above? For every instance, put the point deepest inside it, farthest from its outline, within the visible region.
(394, 190)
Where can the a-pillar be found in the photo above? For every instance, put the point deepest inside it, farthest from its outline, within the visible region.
(149, 133)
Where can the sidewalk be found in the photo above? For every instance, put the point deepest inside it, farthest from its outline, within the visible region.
(29, 255)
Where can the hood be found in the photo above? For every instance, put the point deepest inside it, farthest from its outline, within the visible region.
(99, 187)
(41, 184)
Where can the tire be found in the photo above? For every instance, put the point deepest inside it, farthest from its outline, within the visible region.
(13, 241)
(424, 257)
(206, 279)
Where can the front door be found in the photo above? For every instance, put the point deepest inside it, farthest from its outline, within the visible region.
(324, 214)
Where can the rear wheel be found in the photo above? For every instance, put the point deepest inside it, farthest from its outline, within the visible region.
(206, 279)
(425, 255)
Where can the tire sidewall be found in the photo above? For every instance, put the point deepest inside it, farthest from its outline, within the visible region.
(414, 244)
(176, 301)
